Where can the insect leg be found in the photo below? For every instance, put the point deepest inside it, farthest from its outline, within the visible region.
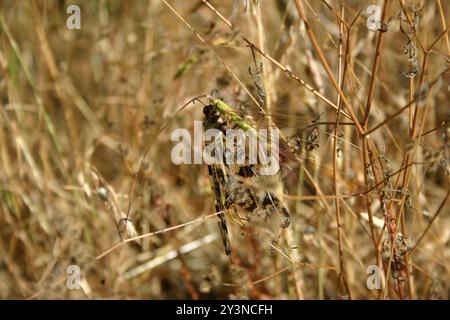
(272, 199)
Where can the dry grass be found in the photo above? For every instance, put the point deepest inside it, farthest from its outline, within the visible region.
(85, 122)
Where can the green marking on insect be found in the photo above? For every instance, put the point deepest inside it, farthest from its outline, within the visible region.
(227, 111)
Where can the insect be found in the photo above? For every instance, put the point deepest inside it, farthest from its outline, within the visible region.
(241, 192)
(237, 187)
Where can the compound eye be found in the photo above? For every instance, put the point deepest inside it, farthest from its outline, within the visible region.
(208, 109)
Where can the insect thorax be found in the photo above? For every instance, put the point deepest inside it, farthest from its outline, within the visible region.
(214, 118)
